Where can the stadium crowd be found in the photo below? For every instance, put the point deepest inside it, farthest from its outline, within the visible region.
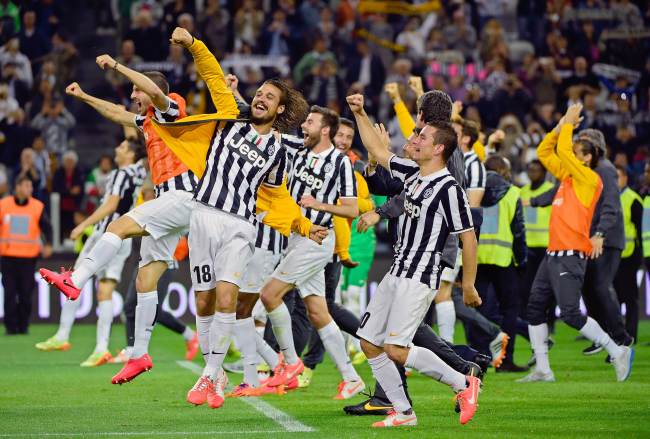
(521, 76)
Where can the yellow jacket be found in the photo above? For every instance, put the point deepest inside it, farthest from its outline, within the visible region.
(342, 225)
(190, 140)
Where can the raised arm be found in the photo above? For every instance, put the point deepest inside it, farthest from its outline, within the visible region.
(546, 155)
(210, 71)
(406, 123)
(578, 171)
(114, 113)
(142, 82)
(369, 136)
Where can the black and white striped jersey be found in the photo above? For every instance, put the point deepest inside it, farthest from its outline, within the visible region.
(270, 239)
(435, 206)
(474, 171)
(126, 183)
(185, 181)
(238, 162)
(326, 176)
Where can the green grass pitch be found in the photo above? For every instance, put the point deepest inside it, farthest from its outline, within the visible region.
(47, 394)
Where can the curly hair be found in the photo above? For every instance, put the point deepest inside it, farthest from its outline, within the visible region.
(296, 107)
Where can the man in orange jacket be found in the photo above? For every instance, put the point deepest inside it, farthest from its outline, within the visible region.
(22, 221)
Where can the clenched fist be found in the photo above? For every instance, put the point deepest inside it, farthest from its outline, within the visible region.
(356, 103)
(74, 90)
(104, 61)
(181, 37)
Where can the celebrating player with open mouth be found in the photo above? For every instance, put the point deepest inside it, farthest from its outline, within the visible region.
(435, 206)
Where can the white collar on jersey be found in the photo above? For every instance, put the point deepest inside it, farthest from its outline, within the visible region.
(323, 154)
(437, 174)
(469, 153)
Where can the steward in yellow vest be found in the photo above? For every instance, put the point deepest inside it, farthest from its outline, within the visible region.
(636, 213)
(501, 247)
(22, 222)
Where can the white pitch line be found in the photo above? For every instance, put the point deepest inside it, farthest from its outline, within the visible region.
(141, 433)
(276, 415)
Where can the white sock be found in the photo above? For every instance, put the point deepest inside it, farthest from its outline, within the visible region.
(266, 352)
(145, 316)
(104, 320)
(429, 364)
(188, 334)
(244, 332)
(220, 334)
(334, 343)
(350, 299)
(101, 254)
(68, 311)
(595, 333)
(203, 324)
(539, 341)
(281, 323)
(385, 372)
(446, 318)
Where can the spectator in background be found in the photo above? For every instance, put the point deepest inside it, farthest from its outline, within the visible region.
(64, 55)
(18, 89)
(327, 28)
(276, 35)
(459, 35)
(586, 42)
(127, 58)
(10, 52)
(173, 10)
(96, 182)
(27, 169)
(545, 81)
(414, 35)
(512, 98)
(366, 68)
(179, 61)
(310, 13)
(318, 54)
(380, 28)
(68, 182)
(44, 165)
(153, 7)
(33, 43)
(54, 121)
(214, 25)
(581, 78)
(324, 87)
(4, 181)
(9, 9)
(249, 20)
(10, 112)
(186, 21)
(147, 36)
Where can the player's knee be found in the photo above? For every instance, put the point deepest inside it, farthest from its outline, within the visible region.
(369, 349)
(269, 300)
(318, 317)
(226, 303)
(573, 319)
(144, 282)
(204, 304)
(397, 354)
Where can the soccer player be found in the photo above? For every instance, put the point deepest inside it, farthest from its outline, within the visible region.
(241, 158)
(562, 271)
(435, 207)
(122, 188)
(161, 221)
(320, 176)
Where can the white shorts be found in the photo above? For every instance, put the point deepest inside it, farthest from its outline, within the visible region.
(260, 268)
(303, 264)
(221, 247)
(166, 219)
(114, 268)
(395, 311)
(450, 274)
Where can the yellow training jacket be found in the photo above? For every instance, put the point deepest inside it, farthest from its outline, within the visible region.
(190, 140)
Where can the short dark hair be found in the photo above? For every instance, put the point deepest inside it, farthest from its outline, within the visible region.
(330, 119)
(538, 163)
(296, 107)
(158, 79)
(21, 179)
(347, 122)
(446, 136)
(497, 163)
(136, 148)
(435, 106)
(471, 129)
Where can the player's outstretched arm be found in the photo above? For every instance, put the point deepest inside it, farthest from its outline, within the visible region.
(113, 112)
(369, 136)
(142, 82)
(210, 71)
(106, 208)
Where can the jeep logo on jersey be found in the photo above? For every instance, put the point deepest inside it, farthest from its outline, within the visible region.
(247, 150)
(309, 178)
(412, 209)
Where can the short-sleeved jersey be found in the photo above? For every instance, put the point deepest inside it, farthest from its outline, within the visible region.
(167, 170)
(126, 183)
(238, 162)
(474, 171)
(326, 176)
(435, 206)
